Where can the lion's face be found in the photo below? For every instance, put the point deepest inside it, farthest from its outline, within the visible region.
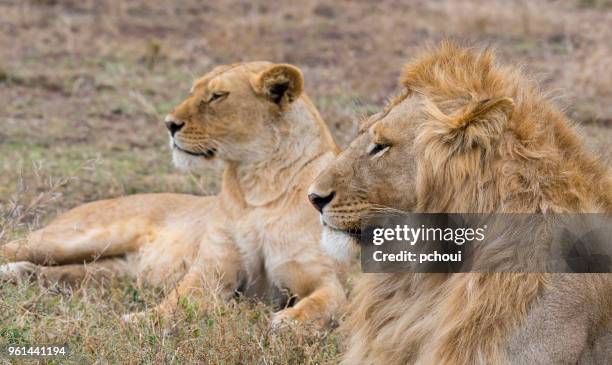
(411, 157)
(229, 111)
(375, 173)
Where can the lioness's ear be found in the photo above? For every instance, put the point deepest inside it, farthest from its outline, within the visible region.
(282, 84)
(477, 124)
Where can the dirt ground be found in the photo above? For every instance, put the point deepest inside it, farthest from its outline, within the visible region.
(84, 86)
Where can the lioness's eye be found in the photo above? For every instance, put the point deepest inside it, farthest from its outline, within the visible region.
(217, 95)
(376, 149)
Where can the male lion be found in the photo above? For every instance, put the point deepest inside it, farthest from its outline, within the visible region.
(468, 135)
(258, 236)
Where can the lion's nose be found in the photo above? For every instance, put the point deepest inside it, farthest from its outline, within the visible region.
(173, 126)
(319, 201)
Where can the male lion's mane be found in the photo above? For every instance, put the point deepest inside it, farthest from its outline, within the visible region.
(492, 143)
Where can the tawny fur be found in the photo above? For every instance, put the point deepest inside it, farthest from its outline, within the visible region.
(258, 235)
(469, 135)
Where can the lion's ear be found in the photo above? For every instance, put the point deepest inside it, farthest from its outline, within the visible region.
(477, 125)
(282, 84)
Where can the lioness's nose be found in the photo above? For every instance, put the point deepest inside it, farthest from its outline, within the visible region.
(319, 201)
(172, 125)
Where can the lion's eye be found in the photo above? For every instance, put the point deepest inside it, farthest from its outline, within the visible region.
(377, 149)
(217, 95)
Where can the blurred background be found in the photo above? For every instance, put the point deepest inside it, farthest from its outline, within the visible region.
(84, 84)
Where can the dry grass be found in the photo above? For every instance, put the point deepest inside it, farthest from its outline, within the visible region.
(88, 320)
(84, 86)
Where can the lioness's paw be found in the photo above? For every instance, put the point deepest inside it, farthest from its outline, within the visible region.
(296, 320)
(285, 317)
(14, 271)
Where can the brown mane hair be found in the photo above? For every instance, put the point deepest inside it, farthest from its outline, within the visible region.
(492, 126)
(491, 143)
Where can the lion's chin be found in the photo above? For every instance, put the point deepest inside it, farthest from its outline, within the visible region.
(188, 163)
(338, 244)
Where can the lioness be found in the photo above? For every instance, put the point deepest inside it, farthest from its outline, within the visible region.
(468, 135)
(257, 236)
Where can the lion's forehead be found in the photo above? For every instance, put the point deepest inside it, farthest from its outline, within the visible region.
(357, 147)
(399, 119)
(405, 104)
(229, 73)
(212, 82)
